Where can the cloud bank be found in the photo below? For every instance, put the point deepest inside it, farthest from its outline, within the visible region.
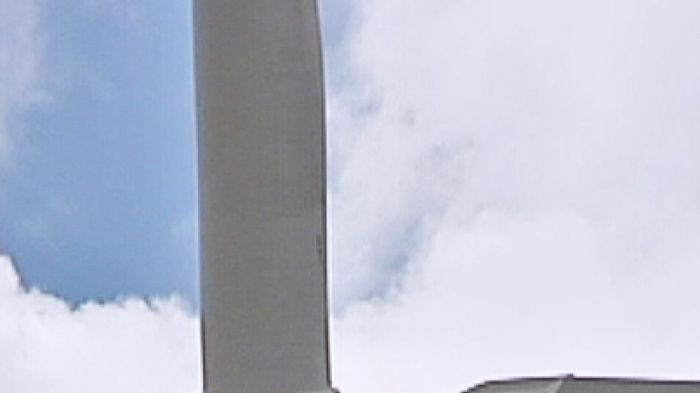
(124, 346)
(516, 192)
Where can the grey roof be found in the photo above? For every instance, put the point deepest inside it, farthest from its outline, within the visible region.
(572, 384)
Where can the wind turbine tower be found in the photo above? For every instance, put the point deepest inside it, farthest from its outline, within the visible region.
(262, 171)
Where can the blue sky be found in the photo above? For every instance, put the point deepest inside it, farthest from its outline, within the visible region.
(100, 203)
(101, 200)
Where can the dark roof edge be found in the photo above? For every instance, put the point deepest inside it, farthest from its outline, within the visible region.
(516, 380)
(571, 377)
(652, 380)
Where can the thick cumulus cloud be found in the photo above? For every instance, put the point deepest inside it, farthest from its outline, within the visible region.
(126, 346)
(20, 66)
(516, 192)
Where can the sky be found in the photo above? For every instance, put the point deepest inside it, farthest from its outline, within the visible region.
(98, 193)
(514, 191)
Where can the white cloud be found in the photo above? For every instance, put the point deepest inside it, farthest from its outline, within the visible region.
(125, 346)
(517, 192)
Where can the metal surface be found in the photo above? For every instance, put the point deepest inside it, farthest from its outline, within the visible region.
(571, 384)
(262, 196)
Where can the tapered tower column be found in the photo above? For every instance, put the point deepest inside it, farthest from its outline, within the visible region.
(262, 196)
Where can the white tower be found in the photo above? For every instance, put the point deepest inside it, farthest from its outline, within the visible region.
(262, 196)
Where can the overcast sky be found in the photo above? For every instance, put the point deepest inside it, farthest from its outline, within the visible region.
(515, 191)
